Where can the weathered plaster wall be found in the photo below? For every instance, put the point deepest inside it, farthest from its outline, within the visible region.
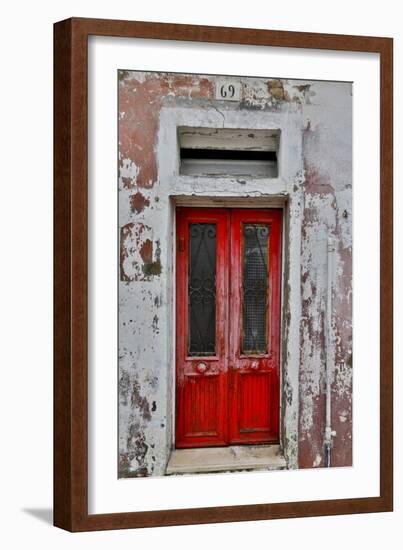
(145, 345)
(327, 212)
(314, 184)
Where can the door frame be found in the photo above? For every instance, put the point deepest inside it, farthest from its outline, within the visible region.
(286, 192)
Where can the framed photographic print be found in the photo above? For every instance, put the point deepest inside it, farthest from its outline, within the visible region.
(223, 274)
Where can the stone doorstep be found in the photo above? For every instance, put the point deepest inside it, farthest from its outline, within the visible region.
(222, 459)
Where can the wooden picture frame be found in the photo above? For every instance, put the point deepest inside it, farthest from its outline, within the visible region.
(71, 283)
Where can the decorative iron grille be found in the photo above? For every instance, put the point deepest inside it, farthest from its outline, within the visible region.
(202, 289)
(254, 288)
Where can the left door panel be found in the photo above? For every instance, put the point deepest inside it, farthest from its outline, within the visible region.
(201, 354)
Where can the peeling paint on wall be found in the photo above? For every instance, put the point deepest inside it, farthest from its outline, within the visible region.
(138, 262)
(140, 99)
(138, 202)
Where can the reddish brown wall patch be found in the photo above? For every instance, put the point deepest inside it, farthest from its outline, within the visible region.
(138, 202)
(139, 107)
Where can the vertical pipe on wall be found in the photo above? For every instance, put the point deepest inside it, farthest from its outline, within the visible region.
(329, 433)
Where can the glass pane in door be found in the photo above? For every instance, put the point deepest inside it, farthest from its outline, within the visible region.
(254, 288)
(202, 289)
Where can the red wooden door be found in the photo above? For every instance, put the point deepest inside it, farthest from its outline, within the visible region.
(227, 326)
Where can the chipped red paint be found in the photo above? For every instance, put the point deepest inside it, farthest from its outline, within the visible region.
(317, 183)
(136, 253)
(310, 446)
(146, 251)
(125, 232)
(342, 415)
(139, 107)
(310, 442)
(127, 183)
(138, 202)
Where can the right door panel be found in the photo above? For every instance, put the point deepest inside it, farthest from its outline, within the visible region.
(254, 327)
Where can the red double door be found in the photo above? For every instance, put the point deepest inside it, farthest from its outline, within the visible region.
(227, 326)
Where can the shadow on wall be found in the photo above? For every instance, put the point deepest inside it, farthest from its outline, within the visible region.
(43, 514)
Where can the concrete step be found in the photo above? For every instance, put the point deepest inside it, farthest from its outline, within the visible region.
(223, 459)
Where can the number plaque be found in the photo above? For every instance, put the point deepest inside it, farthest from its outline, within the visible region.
(228, 90)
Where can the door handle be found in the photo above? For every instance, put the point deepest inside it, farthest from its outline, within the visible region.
(201, 367)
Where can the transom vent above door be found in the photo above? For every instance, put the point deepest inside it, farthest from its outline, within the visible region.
(228, 152)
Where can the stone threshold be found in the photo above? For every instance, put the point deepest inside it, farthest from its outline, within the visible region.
(224, 459)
